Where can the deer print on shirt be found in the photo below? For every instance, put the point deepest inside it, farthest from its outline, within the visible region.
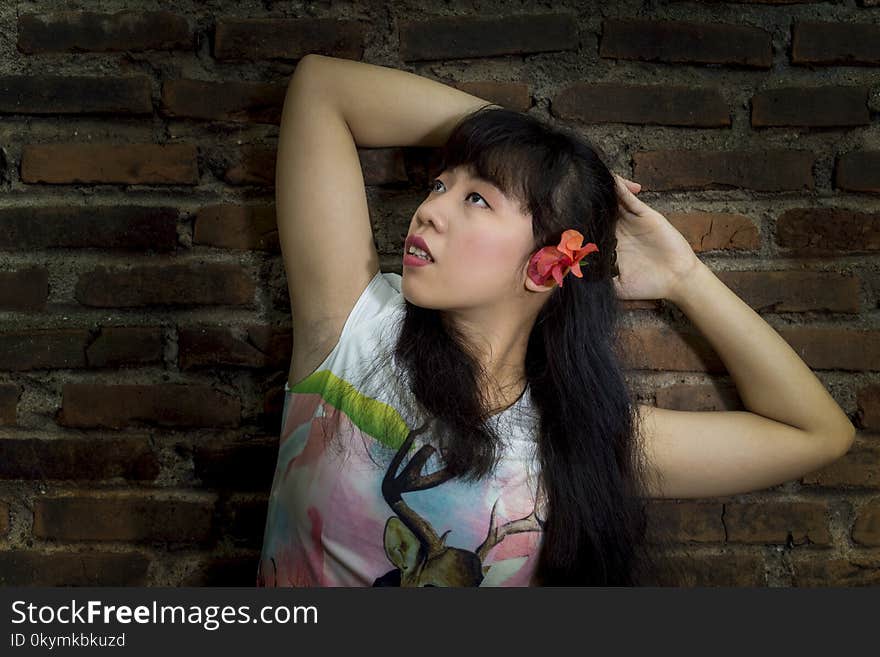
(421, 557)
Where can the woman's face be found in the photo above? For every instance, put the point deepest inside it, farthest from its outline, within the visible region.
(479, 240)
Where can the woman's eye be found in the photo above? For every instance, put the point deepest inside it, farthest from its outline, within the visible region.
(432, 188)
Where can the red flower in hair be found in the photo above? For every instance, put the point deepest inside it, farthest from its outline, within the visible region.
(557, 261)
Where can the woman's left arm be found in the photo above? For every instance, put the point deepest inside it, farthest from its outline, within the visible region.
(770, 378)
(793, 425)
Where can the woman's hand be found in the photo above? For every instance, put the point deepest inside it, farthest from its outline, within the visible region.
(652, 256)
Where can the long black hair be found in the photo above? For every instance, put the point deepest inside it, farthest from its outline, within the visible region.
(592, 465)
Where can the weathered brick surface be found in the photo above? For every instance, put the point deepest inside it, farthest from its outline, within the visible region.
(695, 397)
(119, 226)
(211, 347)
(88, 31)
(866, 529)
(24, 289)
(512, 95)
(250, 227)
(75, 94)
(9, 396)
(381, 166)
(858, 171)
(696, 569)
(684, 522)
(129, 517)
(169, 285)
(774, 522)
(818, 107)
(685, 42)
(810, 570)
(858, 468)
(72, 568)
(249, 165)
(279, 38)
(684, 349)
(116, 346)
(131, 458)
(868, 400)
(708, 231)
(825, 42)
(803, 231)
(4, 519)
(794, 291)
(658, 104)
(243, 521)
(454, 37)
(170, 405)
(43, 349)
(133, 164)
(242, 102)
(769, 171)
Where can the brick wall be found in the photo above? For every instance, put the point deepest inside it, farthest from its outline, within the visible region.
(145, 335)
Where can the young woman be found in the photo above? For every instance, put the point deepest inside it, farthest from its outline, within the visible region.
(468, 423)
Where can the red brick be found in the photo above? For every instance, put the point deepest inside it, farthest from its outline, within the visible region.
(86, 31)
(119, 226)
(866, 529)
(75, 94)
(286, 38)
(381, 166)
(684, 42)
(858, 468)
(868, 400)
(656, 104)
(651, 348)
(708, 231)
(702, 569)
(4, 519)
(242, 102)
(846, 43)
(699, 397)
(130, 517)
(249, 165)
(9, 396)
(832, 348)
(43, 349)
(822, 571)
(168, 285)
(774, 522)
(254, 347)
(794, 291)
(165, 164)
(169, 405)
(245, 227)
(512, 95)
(858, 171)
(122, 345)
(769, 171)
(812, 232)
(683, 522)
(25, 289)
(78, 458)
(81, 568)
(456, 37)
(818, 107)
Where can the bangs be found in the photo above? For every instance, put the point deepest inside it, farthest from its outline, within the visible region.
(500, 147)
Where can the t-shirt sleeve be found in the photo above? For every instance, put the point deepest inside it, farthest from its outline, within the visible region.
(381, 294)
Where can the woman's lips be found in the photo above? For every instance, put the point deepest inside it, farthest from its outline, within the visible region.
(409, 260)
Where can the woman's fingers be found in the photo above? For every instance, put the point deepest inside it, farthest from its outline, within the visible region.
(627, 197)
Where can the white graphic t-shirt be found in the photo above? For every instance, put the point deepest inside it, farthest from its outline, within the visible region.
(373, 507)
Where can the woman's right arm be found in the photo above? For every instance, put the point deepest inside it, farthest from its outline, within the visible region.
(388, 107)
(332, 106)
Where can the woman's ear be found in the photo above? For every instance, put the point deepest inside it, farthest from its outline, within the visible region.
(531, 285)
